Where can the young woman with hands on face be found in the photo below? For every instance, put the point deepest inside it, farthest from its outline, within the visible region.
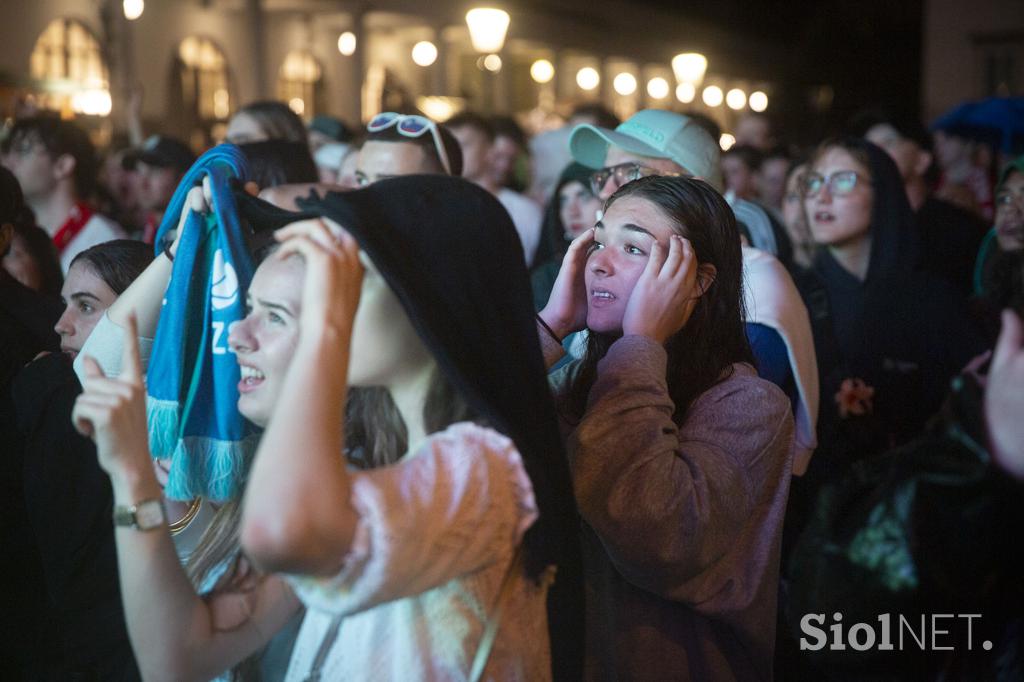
(679, 453)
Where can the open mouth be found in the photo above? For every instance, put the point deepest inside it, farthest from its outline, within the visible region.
(823, 217)
(251, 379)
(601, 297)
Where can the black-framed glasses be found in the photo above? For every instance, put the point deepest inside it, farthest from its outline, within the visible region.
(411, 125)
(839, 183)
(623, 173)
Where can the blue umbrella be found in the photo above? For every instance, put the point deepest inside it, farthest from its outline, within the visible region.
(996, 120)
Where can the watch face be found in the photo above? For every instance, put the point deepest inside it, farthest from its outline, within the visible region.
(149, 514)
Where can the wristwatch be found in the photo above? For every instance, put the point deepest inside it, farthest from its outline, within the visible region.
(145, 515)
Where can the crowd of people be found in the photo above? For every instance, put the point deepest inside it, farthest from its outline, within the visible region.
(451, 402)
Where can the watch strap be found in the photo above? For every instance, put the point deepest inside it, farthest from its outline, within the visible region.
(144, 515)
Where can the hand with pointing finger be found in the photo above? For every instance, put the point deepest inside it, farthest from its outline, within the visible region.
(112, 411)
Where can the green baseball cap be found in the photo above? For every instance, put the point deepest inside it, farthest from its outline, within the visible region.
(655, 133)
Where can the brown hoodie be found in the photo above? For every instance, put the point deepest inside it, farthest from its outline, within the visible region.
(683, 522)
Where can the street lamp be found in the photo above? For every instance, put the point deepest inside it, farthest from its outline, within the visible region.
(712, 96)
(588, 78)
(658, 88)
(624, 84)
(424, 53)
(347, 43)
(542, 71)
(758, 101)
(689, 67)
(736, 99)
(133, 9)
(487, 28)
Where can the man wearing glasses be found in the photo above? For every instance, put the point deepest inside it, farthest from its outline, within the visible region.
(651, 142)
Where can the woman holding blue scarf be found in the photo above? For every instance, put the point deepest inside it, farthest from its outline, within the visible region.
(406, 570)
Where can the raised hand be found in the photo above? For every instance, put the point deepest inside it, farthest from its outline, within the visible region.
(334, 274)
(566, 310)
(112, 411)
(665, 294)
(1004, 397)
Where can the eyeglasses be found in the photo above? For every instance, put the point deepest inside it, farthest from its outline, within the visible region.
(411, 126)
(839, 183)
(623, 173)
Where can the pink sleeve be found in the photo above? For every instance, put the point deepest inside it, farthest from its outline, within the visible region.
(462, 501)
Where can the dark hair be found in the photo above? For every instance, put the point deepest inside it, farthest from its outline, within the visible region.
(909, 127)
(701, 353)
(60, 137)
(117, 262)
(12, 201)
(40, 248)
(426, 142)
(506, 126)
(279, 162)
(707, 123)
(778, 152)
(470, 119)
(277, 120)
(750, 156)
(603, 117)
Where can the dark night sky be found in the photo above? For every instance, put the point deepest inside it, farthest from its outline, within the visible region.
(868, 51)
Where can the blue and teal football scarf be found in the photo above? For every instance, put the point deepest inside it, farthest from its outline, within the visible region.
(192, 381)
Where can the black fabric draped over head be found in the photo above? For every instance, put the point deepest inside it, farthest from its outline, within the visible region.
(450, 253)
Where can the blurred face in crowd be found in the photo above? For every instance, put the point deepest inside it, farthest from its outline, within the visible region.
(476, 150)
(793, 203)
(37, 171)
(910, 159)
(839, 214)
(755, 131)
(1010, 213)
(504, 153)
(771, 181)
(577, 208)
(156, 186)
(347, 170)
(21, 264)
(243, 128)
(738, 176)
(623, 241)
(951, 151)
(379, 160)
(85, 296)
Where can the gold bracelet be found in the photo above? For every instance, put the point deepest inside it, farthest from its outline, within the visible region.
(182, 523)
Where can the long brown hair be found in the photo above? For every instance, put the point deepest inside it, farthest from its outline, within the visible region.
(702, 353)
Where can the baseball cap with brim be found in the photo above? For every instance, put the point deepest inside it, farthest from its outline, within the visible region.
(161, 151)
(654, 133)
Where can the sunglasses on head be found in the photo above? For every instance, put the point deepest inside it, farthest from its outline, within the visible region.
(839, 183)
(411, 125)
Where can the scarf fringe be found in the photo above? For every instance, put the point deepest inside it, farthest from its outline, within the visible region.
(163, 422)
(214, 469)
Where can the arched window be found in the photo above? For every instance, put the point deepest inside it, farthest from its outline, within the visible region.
(204, 86)
(67, 65)
(299, 83)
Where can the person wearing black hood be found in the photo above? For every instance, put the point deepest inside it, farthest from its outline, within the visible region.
(572, 210)
(897, 335)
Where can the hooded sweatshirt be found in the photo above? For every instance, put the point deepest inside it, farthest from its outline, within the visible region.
(903, 332)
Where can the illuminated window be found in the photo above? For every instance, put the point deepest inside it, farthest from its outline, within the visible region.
(67, 66)
(205, 87)
(299, 83)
